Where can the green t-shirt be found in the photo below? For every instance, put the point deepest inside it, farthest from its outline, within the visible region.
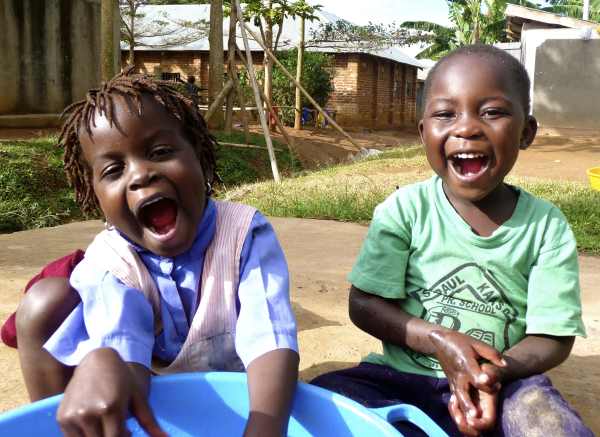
(523, 279)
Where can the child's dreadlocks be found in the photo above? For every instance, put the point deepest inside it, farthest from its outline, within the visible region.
(130, 86)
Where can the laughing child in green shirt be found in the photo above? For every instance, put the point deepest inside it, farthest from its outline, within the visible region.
(470, 283)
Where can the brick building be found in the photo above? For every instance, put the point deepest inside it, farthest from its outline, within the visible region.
(373, 89)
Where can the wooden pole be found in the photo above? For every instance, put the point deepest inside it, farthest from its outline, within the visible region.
(306, 94)
(278, 122)
(231, 69)
(299, 67)
(241, 96)
(261, 114)
(243, 111)
(218, 102)
(215, 58)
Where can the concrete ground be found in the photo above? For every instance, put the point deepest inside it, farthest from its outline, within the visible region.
(320, 253)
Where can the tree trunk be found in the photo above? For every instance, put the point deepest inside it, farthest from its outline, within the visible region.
(215, 59)
(131, 58)
(299, 67)
(107, 45)
(231, 69)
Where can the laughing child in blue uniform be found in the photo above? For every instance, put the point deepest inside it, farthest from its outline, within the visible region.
(178, 282)
(471, 283)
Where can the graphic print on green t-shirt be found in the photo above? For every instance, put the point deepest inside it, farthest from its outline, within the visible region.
(467, 299)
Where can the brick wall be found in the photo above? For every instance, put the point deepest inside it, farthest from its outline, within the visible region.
(368, 91)
(344, 97)
(373, 92)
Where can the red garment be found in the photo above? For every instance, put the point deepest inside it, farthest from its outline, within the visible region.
(60, 268)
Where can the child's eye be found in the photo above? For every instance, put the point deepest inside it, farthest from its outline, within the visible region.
(493, 113)
(161, 152)
(443, 115)
(111, 171)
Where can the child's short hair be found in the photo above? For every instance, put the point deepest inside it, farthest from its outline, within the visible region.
(131, 86)
(515, 69)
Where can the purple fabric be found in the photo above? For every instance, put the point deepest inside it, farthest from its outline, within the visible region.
(530, 406)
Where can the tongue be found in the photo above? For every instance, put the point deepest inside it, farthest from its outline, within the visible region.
(471, 166)
(162, 215)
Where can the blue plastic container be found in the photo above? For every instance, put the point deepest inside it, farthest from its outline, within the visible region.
(216, 404)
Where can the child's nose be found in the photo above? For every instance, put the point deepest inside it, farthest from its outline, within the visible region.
(141, 175)
(466, 126)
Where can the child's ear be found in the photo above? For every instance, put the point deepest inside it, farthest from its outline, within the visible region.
(529, 131)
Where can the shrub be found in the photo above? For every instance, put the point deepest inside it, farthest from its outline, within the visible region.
(316, 79)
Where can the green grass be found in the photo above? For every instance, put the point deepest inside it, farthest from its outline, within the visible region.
(237, 166)
(33, 189)
(350, 193)
(34, 192)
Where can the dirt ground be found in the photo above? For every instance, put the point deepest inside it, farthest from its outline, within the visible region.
(320, 253)
(549, 157)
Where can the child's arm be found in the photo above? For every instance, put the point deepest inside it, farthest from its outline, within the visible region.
(271, 383)
(533, 355)
(100, 394)
(457, 353)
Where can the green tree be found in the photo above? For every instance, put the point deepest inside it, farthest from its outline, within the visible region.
(342, 34)
(473, 21)
(268, 16)
(574, 8)
(317, 80)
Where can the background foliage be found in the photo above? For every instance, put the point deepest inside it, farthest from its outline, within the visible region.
(316, 79)
(34, 191)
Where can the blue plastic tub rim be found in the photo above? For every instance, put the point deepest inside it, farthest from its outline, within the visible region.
(31, 419)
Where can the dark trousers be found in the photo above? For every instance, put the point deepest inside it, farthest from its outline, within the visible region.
(527, 407)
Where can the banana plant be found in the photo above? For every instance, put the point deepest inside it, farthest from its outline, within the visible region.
(473, 21)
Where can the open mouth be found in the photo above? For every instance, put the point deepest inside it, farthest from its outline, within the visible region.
(469, 164)
(159, 215)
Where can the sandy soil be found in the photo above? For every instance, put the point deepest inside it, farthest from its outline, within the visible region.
(320, 253)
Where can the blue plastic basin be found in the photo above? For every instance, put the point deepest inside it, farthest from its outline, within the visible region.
(216, 404)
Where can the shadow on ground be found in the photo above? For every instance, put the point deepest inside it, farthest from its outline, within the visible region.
(306, 319)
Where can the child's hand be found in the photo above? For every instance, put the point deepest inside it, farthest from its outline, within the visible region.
(486, 404)
(102, 390)
(459, 356)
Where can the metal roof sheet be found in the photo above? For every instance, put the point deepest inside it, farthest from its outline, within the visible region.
(170, 15)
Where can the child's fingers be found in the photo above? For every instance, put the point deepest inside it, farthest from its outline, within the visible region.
(463, 397)
(487, 418)
(494, 378)
(145, 417)
(459, 418)
(114, 426)
(489, 353)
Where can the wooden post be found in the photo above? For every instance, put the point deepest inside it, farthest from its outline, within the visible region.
(299, 67)
(231, 69)
(108, 14)
(278, 122)
(215, 56)
(217, 104)
(242, 101)
(306, 94)
(261, 114)
(268, 64)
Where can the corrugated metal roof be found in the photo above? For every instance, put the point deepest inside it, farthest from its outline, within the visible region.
(172, 14)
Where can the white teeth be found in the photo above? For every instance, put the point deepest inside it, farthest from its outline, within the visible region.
(469, 155)
(153, 201)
